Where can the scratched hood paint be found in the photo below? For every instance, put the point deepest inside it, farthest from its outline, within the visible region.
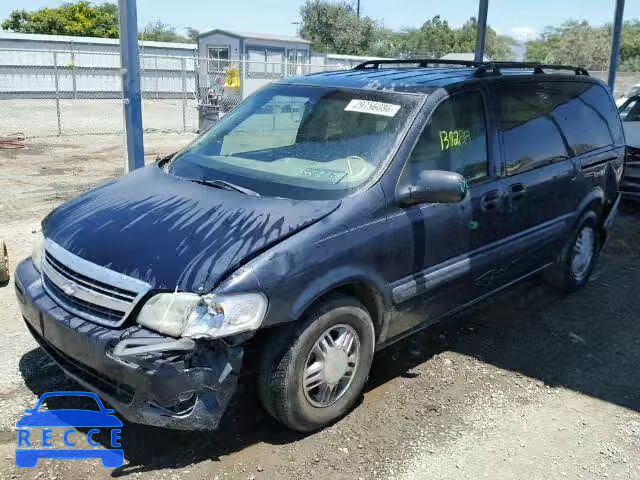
(173, 233)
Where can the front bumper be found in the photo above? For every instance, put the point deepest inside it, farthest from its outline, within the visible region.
(182, 390)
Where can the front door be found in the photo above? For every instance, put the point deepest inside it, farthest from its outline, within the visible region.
(442, 254)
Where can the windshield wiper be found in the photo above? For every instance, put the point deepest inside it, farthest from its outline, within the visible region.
(225, 185)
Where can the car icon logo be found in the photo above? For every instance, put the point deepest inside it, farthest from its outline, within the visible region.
(82, 428)
(68, 289)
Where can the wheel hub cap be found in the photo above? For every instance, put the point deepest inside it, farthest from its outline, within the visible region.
(331, 365)
(336, 365)
(583, 253)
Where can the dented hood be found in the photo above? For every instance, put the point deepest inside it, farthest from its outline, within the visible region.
(173, 233)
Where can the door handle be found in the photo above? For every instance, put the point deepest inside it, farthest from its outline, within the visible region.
(517, 191)
(490, 200)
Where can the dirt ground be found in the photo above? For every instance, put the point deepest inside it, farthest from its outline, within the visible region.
(529, 385)
(92, 116)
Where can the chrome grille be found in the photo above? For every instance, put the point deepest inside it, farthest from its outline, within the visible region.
(89, 290)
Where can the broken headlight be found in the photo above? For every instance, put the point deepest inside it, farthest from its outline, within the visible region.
(208, 316)
(37, 253)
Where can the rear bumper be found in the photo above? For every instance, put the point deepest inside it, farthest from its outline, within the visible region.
(182, 390)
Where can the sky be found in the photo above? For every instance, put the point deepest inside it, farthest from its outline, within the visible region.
(523, 19)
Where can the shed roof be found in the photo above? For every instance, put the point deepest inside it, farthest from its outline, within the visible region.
(256, 36)
(36, 37)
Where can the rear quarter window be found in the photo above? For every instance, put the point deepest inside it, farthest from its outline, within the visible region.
(544, 122)
(587, 116)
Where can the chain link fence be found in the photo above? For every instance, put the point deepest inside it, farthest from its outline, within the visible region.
(49, 93)
(52, 93)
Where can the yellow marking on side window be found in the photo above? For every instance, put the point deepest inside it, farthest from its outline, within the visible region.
(454, 138)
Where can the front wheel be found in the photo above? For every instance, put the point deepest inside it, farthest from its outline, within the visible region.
(312, 376)
(576, 261)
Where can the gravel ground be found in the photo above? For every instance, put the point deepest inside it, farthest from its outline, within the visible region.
(528, 385)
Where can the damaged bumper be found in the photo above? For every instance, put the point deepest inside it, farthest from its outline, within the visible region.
(148, 378)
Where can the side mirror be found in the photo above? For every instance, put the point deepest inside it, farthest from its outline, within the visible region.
(434, 186)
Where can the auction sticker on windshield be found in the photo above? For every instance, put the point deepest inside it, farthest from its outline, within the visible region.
(374, 108)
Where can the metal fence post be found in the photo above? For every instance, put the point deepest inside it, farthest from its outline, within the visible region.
(481, 33)
(183, 65)
(244, 65)
(615, 44)
(73, 72)
(57, 85)
(132, 102)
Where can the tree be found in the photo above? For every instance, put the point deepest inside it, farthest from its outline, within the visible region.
(161, 32)
(335, 27)
(497, 47)
(78, 19)
(435, 38)
(573, 43)
(578, 43)
(192, 34)
(630, 46)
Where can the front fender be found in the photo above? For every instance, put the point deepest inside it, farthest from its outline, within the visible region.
(340, 277)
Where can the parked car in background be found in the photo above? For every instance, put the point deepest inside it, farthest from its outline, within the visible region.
(324, 218)
(632, 92)
(630, 115)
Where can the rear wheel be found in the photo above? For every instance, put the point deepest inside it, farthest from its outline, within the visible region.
(313, 376)
(576, 261)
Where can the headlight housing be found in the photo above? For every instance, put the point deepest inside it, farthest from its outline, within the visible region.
(37, 252)
(208, 316)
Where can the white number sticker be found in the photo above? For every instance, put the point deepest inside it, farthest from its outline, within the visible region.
(374, 108)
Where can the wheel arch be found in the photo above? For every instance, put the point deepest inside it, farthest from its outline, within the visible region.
(594, 201)
(367, 288)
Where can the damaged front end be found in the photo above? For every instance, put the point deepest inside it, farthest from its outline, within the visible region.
(147, 377)
(185, 384)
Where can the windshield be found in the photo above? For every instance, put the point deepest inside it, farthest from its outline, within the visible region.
(300, 142)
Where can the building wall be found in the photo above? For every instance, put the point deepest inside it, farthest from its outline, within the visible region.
(220, 40)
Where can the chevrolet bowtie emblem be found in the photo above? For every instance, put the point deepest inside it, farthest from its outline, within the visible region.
(68, 289)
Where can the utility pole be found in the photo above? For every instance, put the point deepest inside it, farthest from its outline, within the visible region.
(615, 44)
(481, 34)
(131, 97)
(358, 9)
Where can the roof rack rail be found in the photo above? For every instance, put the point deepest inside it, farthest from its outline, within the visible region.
(482, 68)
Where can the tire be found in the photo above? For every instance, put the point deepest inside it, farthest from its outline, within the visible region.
(304, 348)
(570, 273)
(4, 264)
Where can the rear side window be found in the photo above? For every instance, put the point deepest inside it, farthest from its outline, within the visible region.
(586, 115)
(455, 138)
(546, 122)
(530, 134)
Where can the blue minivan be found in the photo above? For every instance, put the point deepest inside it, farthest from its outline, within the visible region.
(324, 218)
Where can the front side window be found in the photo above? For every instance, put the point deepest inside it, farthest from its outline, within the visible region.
(455, 138)
(300, 141)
